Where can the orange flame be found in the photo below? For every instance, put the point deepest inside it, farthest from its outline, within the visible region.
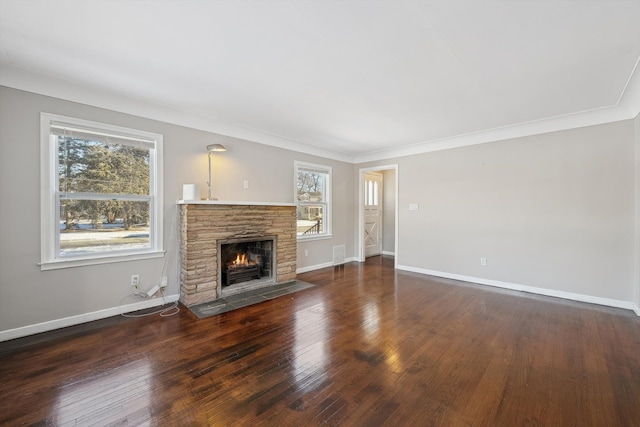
(241, 259)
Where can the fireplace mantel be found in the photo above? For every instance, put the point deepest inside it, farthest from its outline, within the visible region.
(228, 202)
(206, 224)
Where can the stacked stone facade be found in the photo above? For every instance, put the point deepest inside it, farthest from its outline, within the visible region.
(204, 226)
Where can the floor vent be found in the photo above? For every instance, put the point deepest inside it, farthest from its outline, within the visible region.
(338, 255)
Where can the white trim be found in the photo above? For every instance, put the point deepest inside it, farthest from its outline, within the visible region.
(83, 318)
(327, 215)
(388, 253)
(627, 107)
(81, 262)
(636, 309)
(31, 81)
(360, 244)
(309, 237)
(231, 202)
(524, 288)
(323, 265)
(314, 267)
(629, 99)
(15, 77)
(50, 208)
(537, 127)
(636, 279)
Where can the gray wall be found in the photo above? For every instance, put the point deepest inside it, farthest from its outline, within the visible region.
(389, 211)
(553, 211)
(29, 296)
(637, 257)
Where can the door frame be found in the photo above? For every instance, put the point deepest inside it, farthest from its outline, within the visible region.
(360, 246)
(378, 176)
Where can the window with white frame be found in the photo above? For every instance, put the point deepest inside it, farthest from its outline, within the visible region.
(101, 192)
(313, 199)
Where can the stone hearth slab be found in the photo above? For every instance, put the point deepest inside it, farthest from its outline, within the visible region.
(244, 299)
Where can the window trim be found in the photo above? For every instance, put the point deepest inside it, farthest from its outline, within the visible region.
(50, 213)
(327, 216)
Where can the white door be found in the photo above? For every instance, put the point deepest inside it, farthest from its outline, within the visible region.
(372, 214)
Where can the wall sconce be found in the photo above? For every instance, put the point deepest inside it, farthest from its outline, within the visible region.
(210, 149)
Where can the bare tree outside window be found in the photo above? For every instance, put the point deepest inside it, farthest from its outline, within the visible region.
(89, 168)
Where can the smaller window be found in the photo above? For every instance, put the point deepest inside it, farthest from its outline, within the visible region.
(313, 198)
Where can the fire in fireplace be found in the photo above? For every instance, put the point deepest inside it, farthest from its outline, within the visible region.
(245, 261)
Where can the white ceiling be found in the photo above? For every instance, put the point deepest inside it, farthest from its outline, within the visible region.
(355, 80)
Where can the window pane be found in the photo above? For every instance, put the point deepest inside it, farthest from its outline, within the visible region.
(310, 186)
(310, 219)
(95, 226)
(375, 194)
(88, 166)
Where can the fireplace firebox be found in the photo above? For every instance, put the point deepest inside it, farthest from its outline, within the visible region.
(245, 263)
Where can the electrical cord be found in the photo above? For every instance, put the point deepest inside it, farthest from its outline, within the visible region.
(172, 309)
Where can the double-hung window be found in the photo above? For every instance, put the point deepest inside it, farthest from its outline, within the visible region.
(101, 193)
(313, 200)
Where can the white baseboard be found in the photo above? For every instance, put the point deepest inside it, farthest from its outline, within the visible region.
(313, 267)
(636, 309)
(524, 288)
(323, 265)
(83, 318)
(388, 253)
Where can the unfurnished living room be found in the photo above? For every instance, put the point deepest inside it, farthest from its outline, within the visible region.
(298, 212)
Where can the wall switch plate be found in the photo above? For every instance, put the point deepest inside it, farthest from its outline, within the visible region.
(483, 261)
(245, 184)
(306, 252)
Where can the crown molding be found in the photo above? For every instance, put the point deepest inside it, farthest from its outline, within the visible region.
(553, 124)
(627, 107)
(42, 84)
(630, 96)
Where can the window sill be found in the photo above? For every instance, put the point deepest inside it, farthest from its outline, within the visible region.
(314, 237)
(81, 262)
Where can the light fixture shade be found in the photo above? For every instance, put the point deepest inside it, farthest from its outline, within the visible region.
(216, 147)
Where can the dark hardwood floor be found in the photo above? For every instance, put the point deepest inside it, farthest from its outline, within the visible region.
(367, 346)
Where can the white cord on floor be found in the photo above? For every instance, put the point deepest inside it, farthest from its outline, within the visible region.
(164, 312)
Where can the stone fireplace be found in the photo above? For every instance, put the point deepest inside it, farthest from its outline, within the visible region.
(229, 247)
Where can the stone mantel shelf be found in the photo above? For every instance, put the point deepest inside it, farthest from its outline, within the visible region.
(229, 202)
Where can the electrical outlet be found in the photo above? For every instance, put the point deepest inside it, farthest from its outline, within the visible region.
(483, 261)
(245, 184)
(135, 281)
(306, 252)
(163, 282)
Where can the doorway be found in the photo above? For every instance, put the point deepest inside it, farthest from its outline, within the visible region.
(377, 214)
(373, 211)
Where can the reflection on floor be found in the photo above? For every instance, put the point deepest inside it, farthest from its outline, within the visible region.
(243, 299)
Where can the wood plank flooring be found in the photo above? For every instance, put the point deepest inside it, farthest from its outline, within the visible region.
(367, 346)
